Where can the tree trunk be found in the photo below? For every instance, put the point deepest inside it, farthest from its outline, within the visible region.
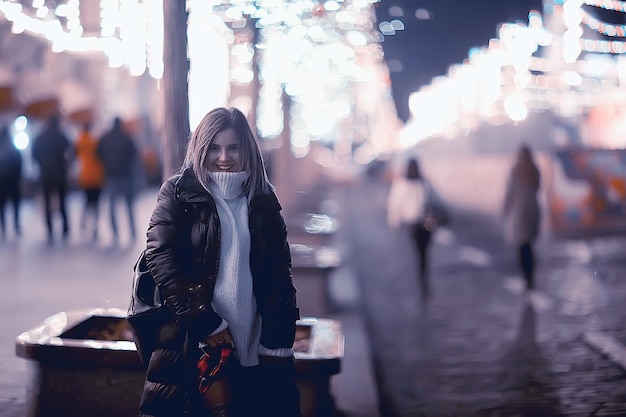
(175, 86)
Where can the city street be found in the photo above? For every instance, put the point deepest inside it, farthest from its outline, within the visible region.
(481, 347)
(340, 95)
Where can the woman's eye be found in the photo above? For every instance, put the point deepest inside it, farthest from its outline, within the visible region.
(234, 148)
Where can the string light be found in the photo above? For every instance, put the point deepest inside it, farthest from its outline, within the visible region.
(600, 46)
(611, 30)
(603, 28)
(127, 30)
(618, 6)
(324, 54)
(521, 82)
(314, 52)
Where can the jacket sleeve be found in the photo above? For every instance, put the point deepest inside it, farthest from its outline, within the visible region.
(168, 236)
(280, 313)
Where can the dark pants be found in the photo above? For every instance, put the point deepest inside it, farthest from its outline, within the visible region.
(526, 261)
(421, 237)
(61, 191)
(92, 204)
(10, 191)
(121, 187)
(268, 389)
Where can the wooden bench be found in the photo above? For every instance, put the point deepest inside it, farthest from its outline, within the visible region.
(85, 363)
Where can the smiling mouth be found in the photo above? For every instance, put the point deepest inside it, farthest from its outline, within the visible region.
(224, 167)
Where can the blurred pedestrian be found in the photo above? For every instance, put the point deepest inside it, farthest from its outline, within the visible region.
(118, 153)
(407, 208)
(521, 213)
(10, 179)
(90, 177)
(217, 248)
(52, 151)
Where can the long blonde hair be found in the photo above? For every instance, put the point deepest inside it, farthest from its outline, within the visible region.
(214, 122)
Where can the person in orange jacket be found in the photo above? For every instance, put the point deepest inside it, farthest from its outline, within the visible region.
(90, 176)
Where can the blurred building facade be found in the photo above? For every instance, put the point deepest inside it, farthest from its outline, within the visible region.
(92, 60)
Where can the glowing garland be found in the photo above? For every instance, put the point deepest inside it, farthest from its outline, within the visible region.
(603, 46)
(618, 6)
(603, 28)
(141, 31)
(131, 36)
(606, 47)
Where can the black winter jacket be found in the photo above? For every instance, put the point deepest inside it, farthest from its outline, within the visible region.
(182, 255)
(52, 151)
(118, 154)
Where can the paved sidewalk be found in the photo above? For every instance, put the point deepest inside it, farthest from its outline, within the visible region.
(479, 348)
(482, 347)
(39, 281)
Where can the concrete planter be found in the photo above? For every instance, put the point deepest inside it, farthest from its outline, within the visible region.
(84, 363)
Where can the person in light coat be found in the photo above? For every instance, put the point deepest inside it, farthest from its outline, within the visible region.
(521, 213)
(406, 205)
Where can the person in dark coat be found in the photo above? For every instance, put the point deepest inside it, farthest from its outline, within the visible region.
(118, 154)
(10, 179)
(52, 150)
(217, 248)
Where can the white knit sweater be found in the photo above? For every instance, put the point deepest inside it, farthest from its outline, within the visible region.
(233, 298)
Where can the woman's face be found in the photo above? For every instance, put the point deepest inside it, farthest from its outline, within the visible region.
(224, 154)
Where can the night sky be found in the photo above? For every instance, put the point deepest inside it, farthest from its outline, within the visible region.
(428, 46)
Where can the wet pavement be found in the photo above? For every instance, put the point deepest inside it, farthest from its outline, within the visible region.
(482, 346)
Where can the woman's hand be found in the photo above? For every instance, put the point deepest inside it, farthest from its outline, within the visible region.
(219, 339)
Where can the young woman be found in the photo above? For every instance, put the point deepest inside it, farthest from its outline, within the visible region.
(217, 249)
(521, 214)
(406, 204)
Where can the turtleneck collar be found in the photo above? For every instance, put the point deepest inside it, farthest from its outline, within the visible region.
(227, 185)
